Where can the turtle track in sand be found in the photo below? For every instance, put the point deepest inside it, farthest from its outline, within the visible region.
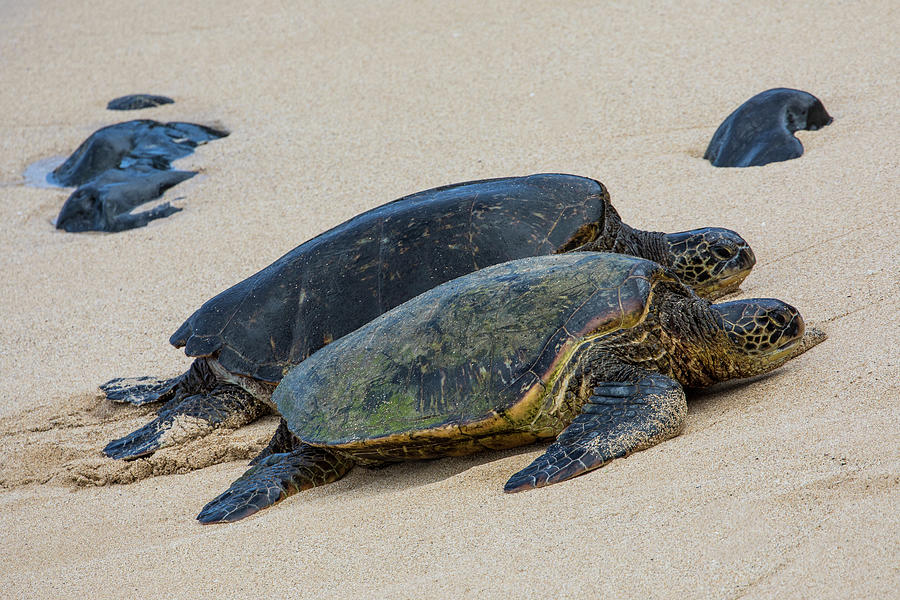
(63, 446)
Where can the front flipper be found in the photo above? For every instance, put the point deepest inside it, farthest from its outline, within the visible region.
(273, 479)
(143, 390)
(140, 390)
(618, 419)
(193, 417)
(283, 441)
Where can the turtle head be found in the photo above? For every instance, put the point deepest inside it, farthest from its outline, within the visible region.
(762, 334)
(713, 261)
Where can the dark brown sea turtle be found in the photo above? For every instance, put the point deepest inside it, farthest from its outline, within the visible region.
(247, 337)
(591, 349)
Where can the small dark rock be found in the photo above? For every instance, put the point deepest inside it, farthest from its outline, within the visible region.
(137, 102)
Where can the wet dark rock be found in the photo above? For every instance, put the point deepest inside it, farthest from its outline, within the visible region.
(137, 102)
(141, 142)
(122, 166)
(105, 202)
(761, 130)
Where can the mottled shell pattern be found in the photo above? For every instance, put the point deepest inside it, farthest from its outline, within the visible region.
(471, 357)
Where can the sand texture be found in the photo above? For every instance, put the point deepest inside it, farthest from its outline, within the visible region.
(787, 486)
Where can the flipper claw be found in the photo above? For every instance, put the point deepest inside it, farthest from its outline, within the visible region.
(139, 390)
(193, 417)
(274, 478)
(619, 418)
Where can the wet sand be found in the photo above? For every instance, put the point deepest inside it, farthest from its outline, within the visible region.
(787, 486)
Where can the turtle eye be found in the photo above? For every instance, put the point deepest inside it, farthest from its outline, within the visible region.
(779, 319)
(723, 252)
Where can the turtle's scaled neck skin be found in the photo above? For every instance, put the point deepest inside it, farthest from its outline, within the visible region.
(739, 339)
(713, 261)
(646, 244)
(679, 336)
(699, 343)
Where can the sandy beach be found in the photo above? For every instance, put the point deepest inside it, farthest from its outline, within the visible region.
(787, 486)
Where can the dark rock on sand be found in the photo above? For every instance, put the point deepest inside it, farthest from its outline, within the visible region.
(137, 102)
(761, 130)
(105, 202)
(141, 142)
(122, 166)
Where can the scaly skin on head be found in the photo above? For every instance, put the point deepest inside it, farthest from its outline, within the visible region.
(713, 261)
(739, 339)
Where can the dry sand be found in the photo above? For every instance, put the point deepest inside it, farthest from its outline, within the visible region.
(788, 486)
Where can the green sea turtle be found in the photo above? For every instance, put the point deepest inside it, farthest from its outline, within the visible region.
(247, 337)
(589, 348)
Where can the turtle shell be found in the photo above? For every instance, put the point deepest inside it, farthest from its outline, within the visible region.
(347, 276)
(469, 358)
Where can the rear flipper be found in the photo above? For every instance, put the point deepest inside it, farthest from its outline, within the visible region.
(144, 390)
(195, 416)
(273, 479)
(618, 419)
